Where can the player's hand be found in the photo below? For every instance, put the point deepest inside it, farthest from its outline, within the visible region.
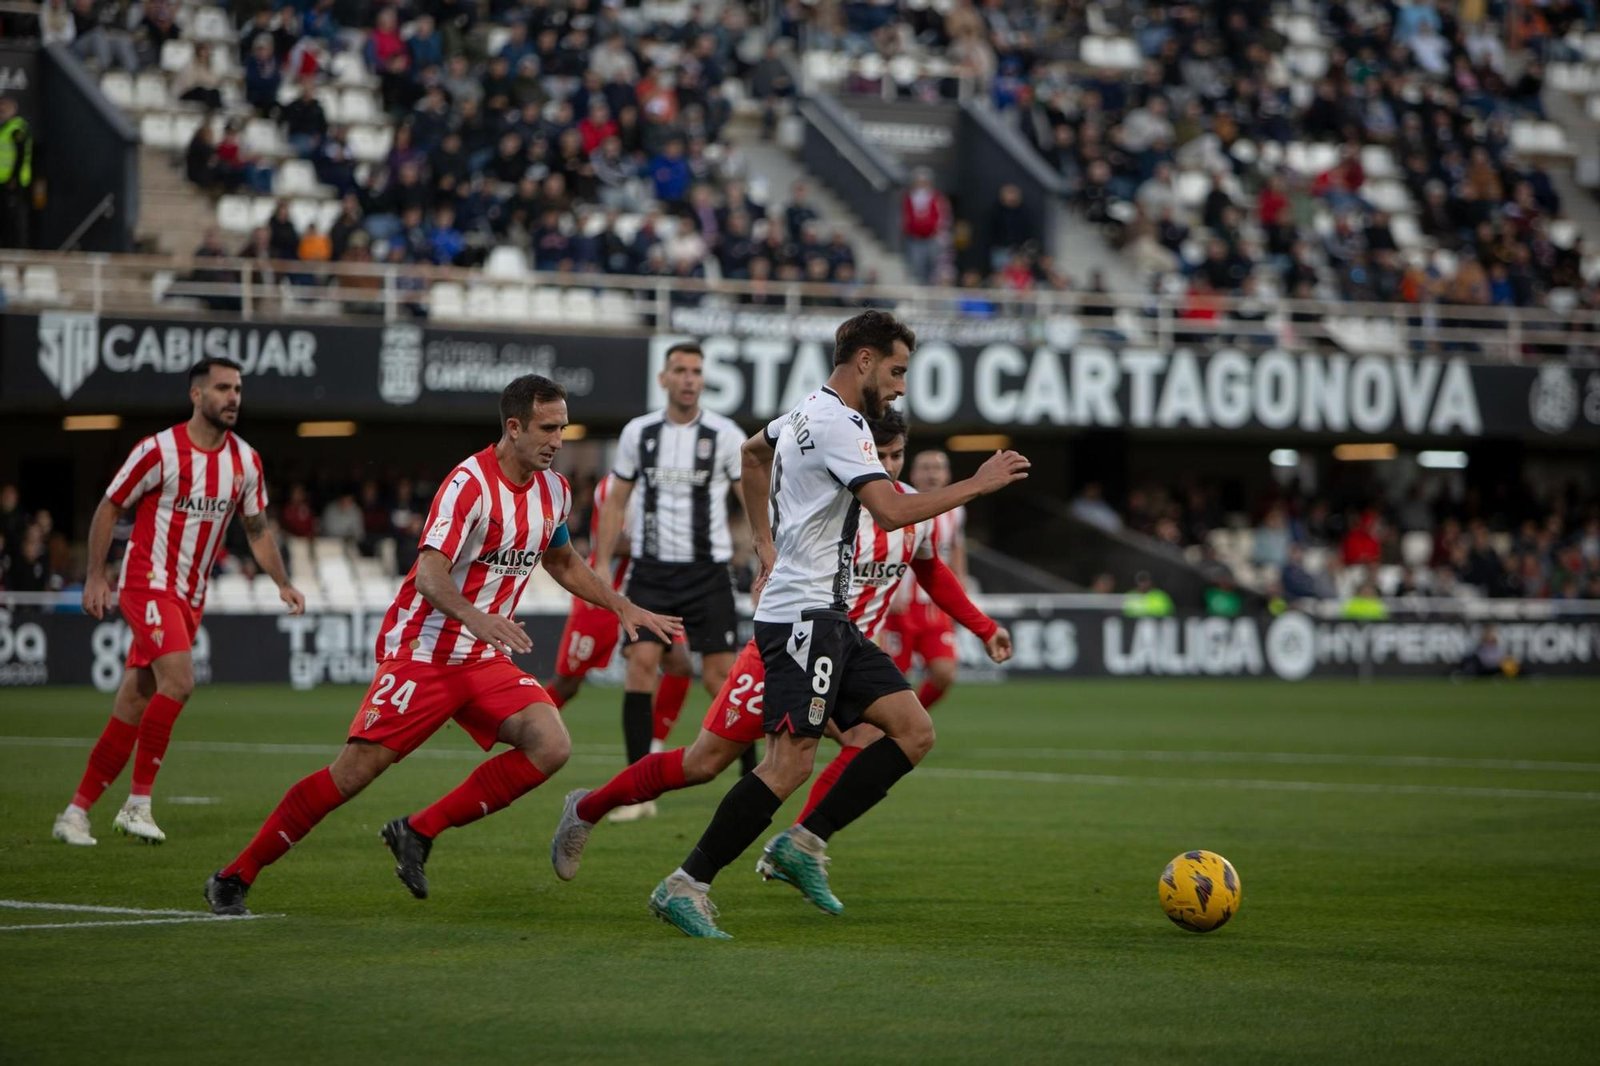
(766, 559)
(634, 618)
(98, 596)
(999, 645)
(500, 631)
(292, 599)
(1001, 469)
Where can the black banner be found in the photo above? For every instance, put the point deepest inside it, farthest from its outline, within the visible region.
(1076, 382)
(62, 360)
(19, 78)
(336, 648)
(68, 360)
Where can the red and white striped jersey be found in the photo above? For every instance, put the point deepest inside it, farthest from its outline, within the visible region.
(619, 563)
(883, 559)
(494, 533)
(948, 530)
(184, 496)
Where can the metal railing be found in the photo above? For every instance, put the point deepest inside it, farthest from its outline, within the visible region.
(229, 290)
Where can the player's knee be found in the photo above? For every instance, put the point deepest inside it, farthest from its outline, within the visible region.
(917, 740)
(551, 752)
(700, 766)
(942, 672)
(177, 684)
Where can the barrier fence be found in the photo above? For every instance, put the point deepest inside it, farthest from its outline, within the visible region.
(1056, 636)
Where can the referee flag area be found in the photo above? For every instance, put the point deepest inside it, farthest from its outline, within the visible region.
(1418, 862)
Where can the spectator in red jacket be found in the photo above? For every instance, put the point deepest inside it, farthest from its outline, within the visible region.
(924, 220)
(1361, 547)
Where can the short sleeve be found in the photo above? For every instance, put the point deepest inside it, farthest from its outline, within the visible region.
(626, 465)
(253, 500)
(140, 473)
(732, 443)
(774, 428)
(849, 452)
(457, 509)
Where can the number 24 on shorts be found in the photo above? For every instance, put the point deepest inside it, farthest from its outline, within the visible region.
(400, 700)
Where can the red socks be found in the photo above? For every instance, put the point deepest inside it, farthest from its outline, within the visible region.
(489, 788)
(302, 807)
(155, 731)
(670, 694)
(929, 694)
(644, 780)
(106, 760)
(825, 781)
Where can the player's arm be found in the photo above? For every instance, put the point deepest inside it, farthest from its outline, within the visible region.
(264, 547)
(613, 517)
(578, 578)
(756, 485)
(944, 588)
(98, 595)
(895, 510)
(433, 581)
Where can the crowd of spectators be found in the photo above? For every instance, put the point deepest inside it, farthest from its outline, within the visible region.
(35, 556)
(592, 144)
(1511, 544)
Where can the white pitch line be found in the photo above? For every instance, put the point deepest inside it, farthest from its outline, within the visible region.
(1256, 784)
(1293, 758)
(195, 920)
(91, 908)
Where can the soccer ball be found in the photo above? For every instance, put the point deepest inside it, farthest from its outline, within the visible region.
(1200, 891)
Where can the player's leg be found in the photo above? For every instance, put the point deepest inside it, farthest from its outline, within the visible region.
(640, 677)
(851, 743)
(174, 681)
(586, 644)
(651, 777)
(936, 644)
(505, 706)
(108, 756)
(677, 676)
(563, 687)
(307, 802)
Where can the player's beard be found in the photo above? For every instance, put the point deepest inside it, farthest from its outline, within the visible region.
(219, 418)
(872, 400)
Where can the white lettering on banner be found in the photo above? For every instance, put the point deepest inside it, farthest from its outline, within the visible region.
(125, 348)
(466, 364)
(1274, 391)
(108, 648)
(1182, 647)
(332, 648)
(934, 388)
(1181, 398)
(1094, 387)
(995, 402)
(24, 653)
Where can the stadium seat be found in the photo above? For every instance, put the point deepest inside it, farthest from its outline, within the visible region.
(41, 285)
(546, 305)
(506, 262)
(150, 92)
(156, 130)
(295, 177)
(233, 214)
(357, 105)
(1416, 547)
(371, 144)
(211, 24)
(263, 138)
(117, 87)
(510, 302)
(484, 302)
(304, 213)
(446, 300)
(578, 307)
(176, 55)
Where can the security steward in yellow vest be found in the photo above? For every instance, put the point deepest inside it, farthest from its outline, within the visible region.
(16, 175)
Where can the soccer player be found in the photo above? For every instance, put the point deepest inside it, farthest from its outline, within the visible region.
(183, 485)
(917, 627)
(882, 561)
(819, 467)
(685, 460)
(443, 650)
(591, 634)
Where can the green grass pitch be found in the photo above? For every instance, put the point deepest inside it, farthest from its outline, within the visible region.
(1419, 863)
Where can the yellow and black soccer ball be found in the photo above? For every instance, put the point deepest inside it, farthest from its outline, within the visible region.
(1200, 891)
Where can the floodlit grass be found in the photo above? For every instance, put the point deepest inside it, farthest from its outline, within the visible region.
(1000, 906)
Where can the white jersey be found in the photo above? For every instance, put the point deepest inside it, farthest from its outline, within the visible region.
(685, 473)
(882, 559)
(824, 454)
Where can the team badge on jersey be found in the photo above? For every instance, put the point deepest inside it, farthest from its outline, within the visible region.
(819, 710)
(702, 448)
(869, 452)
(372, 719)
(731, 716)
(158, 636)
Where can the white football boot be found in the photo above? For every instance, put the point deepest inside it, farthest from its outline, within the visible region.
(135, 820)
(72, 827)
(633, 812)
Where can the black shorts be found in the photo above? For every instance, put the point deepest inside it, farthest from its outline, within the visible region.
(819, 668)
(699, 593)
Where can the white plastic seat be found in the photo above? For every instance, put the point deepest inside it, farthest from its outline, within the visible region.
(156, 130)
(295, 177)
(446, 300)
(176, 55)
(303, 213)
(211, 24)
(1416, 547)
(507, 262)
(578, 306)
(356, 105)
(117, 87)
(371, 144)
(510, 302)
(150, 92)
(546, 305)
(263, 138)
(482, 302)
(233, 213)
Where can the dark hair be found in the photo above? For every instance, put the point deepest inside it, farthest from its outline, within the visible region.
(686, 347)
(873, 329)
(518, 399)
(885, 429)
(202, 369)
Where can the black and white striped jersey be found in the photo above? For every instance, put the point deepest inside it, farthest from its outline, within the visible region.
(682, 474)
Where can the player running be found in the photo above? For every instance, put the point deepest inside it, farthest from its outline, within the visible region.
(183, 485)
(591, 635)
(882, 560)
(917, 628)
(682, 461)
(818, 467)
(443, 650)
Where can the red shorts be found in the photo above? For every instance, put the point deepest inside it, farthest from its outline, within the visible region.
(161, 623)
(736, 712)
(587, 641)
(923, 631)
(409, 701)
